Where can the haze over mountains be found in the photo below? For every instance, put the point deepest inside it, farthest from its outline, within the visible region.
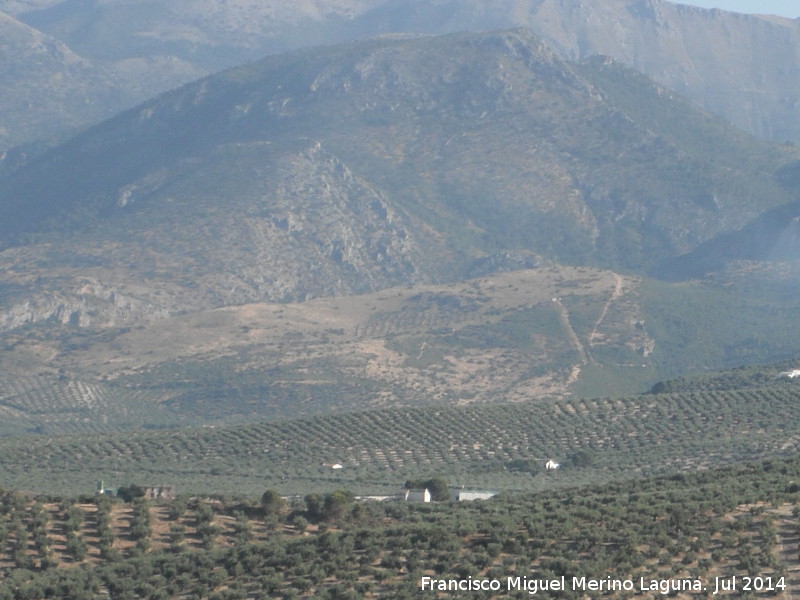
(439, 259)
(96, 58)
(386, 162)
(411, 161)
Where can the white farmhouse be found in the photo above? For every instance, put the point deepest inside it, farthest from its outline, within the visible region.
(790, 374)
(462, 495)
(418, 495)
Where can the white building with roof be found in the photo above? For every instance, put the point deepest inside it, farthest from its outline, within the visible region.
(464, 495)
(418, 495)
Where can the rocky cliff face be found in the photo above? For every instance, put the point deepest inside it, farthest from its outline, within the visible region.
(89, 306)
(306, 227)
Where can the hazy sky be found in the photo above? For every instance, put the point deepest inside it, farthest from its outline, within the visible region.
(786, 8)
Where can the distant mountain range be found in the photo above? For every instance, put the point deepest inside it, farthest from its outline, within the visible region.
(398, 160)
(389, 166)
(81, 61)
(429, 256)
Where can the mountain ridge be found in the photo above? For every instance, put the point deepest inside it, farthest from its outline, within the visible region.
(247, 110)
(657, 37)
(399, 162)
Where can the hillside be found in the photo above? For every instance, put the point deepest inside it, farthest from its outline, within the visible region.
(501, 446)
(506, 337)
(602, 514)
(46, 87)
(379, 163)
(703, 531)
(383, 223)
(738, 66)
(545, 333)
(410, 260)
(48, 91)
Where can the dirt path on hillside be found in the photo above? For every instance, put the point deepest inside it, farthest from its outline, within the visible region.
(615, 295)
(563, 317)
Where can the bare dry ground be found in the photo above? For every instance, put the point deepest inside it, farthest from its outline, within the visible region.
(512, 336)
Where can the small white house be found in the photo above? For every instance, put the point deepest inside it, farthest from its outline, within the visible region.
(552, 465)
(462, 495)
(418, 495)
(790, 374)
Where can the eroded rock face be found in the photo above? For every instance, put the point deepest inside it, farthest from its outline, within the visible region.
(312, 229)
(93, 305)
(340, 228)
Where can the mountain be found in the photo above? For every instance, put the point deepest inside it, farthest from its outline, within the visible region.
(461, 147)
(383, 221)
(507, 337)
(50, 91)
(742, 67)
(211, 35)
(46, 86)
(530, 334)
(66, 65)
(352, 168)
(739, 66)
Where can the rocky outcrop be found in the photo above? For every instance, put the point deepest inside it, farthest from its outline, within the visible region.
(92, 305)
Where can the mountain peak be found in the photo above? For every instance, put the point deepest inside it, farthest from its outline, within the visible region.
(387, 161)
